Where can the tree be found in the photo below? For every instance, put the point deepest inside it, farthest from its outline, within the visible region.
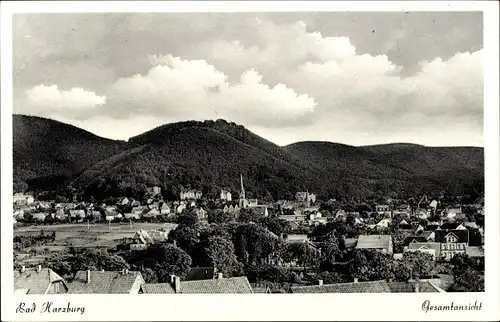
(166, 260)
(304, 254)
(370, 265)
(67, 264)
(255, 244)
(185, 237)
(470, 280)
(414, 264)
(219, 252)
(188, 219)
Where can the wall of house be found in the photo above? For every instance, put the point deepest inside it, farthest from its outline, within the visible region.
(137, 285)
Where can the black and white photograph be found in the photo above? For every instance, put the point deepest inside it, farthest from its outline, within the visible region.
(248, 152)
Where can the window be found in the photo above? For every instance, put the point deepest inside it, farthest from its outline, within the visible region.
(56, 288)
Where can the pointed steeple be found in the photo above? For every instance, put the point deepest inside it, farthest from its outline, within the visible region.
(243, 203)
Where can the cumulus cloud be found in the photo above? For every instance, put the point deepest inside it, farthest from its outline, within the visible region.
(194, 89)
(49, 100)
(276, 78)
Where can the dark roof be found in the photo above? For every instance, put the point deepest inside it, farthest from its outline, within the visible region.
(357, 287)
(409, 287)
(200, 273)
(462, 234)
(107, 282)
(231, 285)
(449, 225)
(35, 282)
(414, 239)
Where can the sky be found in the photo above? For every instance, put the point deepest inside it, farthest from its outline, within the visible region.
(356, 78)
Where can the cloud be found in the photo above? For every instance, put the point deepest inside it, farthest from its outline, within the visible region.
(49, 100)
(322, 77)
(194, 89)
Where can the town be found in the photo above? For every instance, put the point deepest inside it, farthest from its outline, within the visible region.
(235, 244)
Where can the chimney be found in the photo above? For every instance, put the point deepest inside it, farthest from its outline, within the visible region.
(125, 271)
(88, 276)
(355, 280)
(177, 284)
(39, 268)
(219, 276)
(320, 282)
(23, 268)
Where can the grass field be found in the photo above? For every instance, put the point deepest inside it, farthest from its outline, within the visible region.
(103, 228)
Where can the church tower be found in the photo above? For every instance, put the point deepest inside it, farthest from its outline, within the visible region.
(243, 201)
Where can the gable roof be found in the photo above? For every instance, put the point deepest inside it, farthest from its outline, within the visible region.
(231, 285)
(357, 287)
(462, 235)
(107, 282)
(374, 241)
(409, 287)
(414, 239)
(449, 225)
(34, 281)
(435, 246)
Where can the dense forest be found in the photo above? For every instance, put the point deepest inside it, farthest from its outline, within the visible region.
(50, 156)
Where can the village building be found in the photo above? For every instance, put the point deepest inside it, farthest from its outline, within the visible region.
(106, 282)
(225, 195)
(452, 242)
(124, 201)
(202, 214)
(219, 285)
(382, 209)
(431, 248)
(451, 212)
(305, 196)
(80, 213)
(38, 281)
(370, 287)
(154, 190)
(39, 216)
(22, 199)
(190, 194)
(317, 218)
(381, 243)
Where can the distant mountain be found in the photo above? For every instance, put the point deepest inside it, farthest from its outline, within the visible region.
(211, 155)
(47, 153)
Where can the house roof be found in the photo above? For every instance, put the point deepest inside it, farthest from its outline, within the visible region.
(449, 225)
(409, 287)
(374, 241)
(426, 233)
(107, 282)
(414, 239)
(200, 273)
(463, 235)
(435, 246)
(35, 282)
(474, 251)
(359, 287)
(231, 285)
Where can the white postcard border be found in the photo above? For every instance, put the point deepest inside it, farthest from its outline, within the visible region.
(260, 307)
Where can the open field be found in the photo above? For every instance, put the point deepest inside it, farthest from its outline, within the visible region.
(72, 229)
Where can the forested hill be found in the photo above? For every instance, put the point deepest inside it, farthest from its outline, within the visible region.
(210, 155)
(48, 154)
